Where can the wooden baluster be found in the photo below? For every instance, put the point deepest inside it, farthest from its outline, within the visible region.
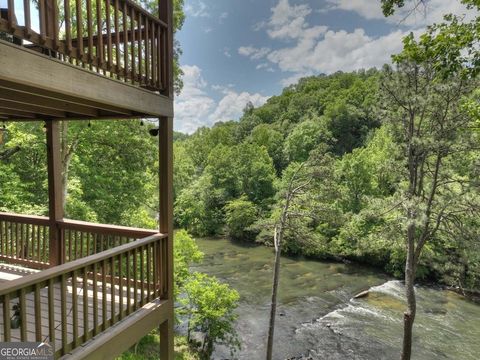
(109, 36)
(38, 314)
(76, 239)
(147, 53)
(70, 246)
(90, 33)
(17, 238)
(112, 291)
(23, 315)
(11, 239)
(74, 309)
(27, 242)
(68, 28)
(79, 17)
(104, 295)
(22, 237)
(135, 279)
(125, 41)
(139, 27)
(44, 250)
(51, 311)
(39, 240)
(12, 23)
(1, 238)
(6, 318)
(153, 80)
(142, 277)
(82, 241)
(117, 40)
(28, 19)
(63, 312)
(53, 19)
(160, 60)
(149, 278)
(85, 305)
(100, 57)
(88, 244)
(120, 286)
(128, 283)
(165, 264)
(95, 300)
(155, 269)
(132, 42)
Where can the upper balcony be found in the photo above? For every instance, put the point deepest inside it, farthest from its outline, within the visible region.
(84, 59)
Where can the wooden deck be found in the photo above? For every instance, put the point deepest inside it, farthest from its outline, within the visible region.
(9, 273)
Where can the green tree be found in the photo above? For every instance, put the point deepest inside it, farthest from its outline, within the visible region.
(305, 137)
(425, 110)
(240, 215)
(212, 312)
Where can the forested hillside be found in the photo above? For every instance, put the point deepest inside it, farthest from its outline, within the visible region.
(228, 179)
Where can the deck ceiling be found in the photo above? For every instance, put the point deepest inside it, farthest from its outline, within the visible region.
(34, 86)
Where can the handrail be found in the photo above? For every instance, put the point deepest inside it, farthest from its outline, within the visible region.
(24, 219)
(104, 228)
(116, 38)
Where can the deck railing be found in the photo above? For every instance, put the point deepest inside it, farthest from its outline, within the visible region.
(69, 304)
(82, 239)
(116, 38)
(25, 240)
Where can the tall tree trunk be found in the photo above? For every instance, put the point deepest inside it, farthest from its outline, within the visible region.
(273, 305)
(409, 315)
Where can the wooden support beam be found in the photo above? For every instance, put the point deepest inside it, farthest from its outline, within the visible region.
(55, 192)
(51, 113)
(61, 97)
(17, 113)
(165, 137)
(45, 102)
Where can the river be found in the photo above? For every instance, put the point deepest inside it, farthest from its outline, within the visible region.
(318, 319)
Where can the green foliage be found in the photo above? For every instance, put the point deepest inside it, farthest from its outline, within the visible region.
(186, 254)
(305, 137)
(240, 215)
(211, 306)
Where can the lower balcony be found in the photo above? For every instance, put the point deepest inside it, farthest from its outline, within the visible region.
(110, 289)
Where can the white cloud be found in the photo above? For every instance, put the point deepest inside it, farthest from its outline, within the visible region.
(195, 108)
(427, 13)
(289, 22)
(312, 49)
(222, 17)
(338, 50)
(193, 105)
(253, 53)
(197, 9)
(232, 105)
(226, 52)
(265, 66)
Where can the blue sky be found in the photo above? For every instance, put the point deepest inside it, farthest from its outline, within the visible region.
(235, 51)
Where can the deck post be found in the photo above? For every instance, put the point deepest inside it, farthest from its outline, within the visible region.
(165, 13)
(55, 193)
(166, 226)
